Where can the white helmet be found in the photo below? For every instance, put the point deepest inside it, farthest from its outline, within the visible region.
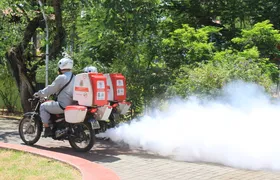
(89, 69)
(65, 63)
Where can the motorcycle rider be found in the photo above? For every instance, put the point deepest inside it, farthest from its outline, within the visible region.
(93, 69)
(89, 69)
(62, 87)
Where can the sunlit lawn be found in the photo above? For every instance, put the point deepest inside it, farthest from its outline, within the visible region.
(16, 165)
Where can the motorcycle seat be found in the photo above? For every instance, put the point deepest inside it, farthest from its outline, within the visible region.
(57, 115)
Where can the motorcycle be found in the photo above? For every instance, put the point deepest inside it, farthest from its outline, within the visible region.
(118, 109)
(111, 122)
(81, 136)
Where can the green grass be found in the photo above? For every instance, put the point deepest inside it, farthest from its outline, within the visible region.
(17, 165)
(17, 104)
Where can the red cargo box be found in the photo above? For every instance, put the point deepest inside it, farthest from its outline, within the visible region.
(90, 89)
(117, 87)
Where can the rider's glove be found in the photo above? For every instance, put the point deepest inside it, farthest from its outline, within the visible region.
(36, 95)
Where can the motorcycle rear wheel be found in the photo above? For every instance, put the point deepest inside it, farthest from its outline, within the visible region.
(83, 135)
(29, 127)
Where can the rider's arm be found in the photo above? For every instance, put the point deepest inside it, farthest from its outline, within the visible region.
(53, 88)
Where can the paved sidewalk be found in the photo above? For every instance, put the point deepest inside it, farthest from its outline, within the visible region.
(138, 165)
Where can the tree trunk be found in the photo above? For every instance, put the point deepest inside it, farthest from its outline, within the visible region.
(17, 64)
(60, 31)
(24, 84)
(20, 61)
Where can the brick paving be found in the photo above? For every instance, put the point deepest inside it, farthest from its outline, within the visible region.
(138, 165)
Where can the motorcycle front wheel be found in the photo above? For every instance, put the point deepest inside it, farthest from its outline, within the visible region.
(29, 130)
(82, 138)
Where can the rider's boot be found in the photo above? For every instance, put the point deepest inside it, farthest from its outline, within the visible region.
(47, 132)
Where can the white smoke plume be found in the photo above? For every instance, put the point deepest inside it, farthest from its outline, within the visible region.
(241, 129)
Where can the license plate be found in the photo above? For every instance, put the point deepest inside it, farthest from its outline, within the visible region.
(95, 124)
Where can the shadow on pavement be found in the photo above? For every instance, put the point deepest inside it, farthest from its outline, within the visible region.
(102, 152)
(93, 155)
(8, 130)
(6, 136)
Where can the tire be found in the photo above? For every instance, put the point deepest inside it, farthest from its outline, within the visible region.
(79, 135)
(34, 128)
(112, 122)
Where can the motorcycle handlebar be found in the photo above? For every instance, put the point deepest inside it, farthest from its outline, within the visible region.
(36, 98)
(31, 99)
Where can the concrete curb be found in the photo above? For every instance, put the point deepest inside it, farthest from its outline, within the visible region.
(89, 170)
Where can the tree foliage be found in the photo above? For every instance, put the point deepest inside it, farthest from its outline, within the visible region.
(23, 49)
(226, 66)
(249, 61)
(8, 92)
(172, 46)
(263, 36)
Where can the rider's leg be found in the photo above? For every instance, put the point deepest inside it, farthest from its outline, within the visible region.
(47, 108)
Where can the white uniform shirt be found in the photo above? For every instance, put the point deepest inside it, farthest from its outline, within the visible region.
(65, 97)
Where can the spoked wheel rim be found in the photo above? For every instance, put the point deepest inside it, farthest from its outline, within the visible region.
(82, 136)
(29, 130)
